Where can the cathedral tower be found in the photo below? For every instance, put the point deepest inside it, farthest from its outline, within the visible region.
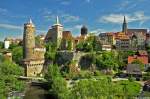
(124, 26)
(28, 40)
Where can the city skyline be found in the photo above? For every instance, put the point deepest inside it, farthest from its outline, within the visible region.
(97, 15)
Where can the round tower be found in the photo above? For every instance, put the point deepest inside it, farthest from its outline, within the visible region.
(28, 40)
(84, 30)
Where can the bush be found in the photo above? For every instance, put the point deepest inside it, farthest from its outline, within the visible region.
(131, 78)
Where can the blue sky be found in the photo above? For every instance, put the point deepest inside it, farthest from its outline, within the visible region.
(97, 15)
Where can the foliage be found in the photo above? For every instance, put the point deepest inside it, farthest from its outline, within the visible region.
(84, 46)
(69, 45)
(50, 51)
(58, 85)
(13, 45)
(8, 78)
(146, 76)
(59, 88)
(107, 60)
(1, 45)
(89, 45)
(53, 71)
(103, 89)
(17, 54)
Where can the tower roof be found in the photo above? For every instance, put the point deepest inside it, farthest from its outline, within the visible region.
(30, 23)
(57, 21)
(124, 21)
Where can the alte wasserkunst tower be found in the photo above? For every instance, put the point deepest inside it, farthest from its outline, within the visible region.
(33, 56)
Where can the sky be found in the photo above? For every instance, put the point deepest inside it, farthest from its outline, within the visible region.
(97, 15)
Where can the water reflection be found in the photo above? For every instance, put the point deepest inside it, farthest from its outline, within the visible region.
(36, 92)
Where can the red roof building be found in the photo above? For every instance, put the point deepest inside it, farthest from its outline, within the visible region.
(141, 56)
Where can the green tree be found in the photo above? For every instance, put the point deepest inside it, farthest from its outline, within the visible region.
(69, 47)
(17, 54)
(58, 85)
(107, 60)
(1, 45)
(50, 54)
(53, 71)
(9, 72)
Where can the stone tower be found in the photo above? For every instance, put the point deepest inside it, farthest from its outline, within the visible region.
(54, 34)
(28, 40)
(124, 26)
(33, 56)
(84, 31)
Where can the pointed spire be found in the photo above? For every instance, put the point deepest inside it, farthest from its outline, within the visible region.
(30, 21)
(57, 20)
(124, 19)
(124, 26)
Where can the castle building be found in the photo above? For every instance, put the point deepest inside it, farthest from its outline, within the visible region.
(33, 57)
(55, 33)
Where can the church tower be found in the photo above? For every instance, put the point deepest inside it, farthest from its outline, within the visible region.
(28, 40)
(54, 34)
(124, 26)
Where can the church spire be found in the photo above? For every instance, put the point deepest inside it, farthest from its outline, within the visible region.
(30, 21)
(124, 26)
(124, 20)
(57, 20)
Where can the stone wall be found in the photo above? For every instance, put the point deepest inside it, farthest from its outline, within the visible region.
(65, 57)
(33, 68)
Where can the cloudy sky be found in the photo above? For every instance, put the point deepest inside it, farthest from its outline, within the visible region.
(97, 15)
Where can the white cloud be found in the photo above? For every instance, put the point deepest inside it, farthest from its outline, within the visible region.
(70, 18)
(63, 16)
(15, 27)
(129, 4)
(10, 26)
(98, 31)
(118, 18)
(75, 29)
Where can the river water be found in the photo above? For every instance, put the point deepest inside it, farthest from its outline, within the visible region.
(36, 92)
